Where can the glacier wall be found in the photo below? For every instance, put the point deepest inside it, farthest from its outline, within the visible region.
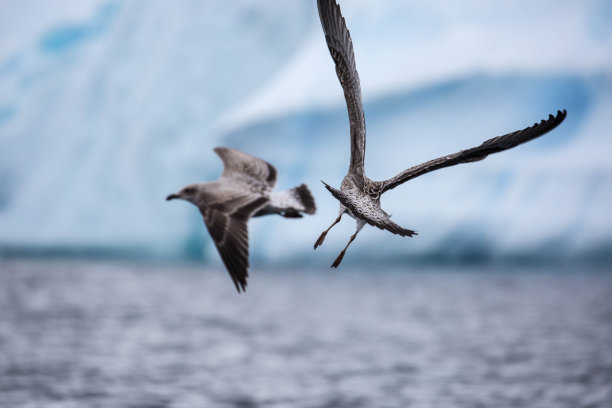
(106, 107)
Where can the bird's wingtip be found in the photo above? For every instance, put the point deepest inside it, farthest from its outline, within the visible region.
(328, 187)
(560, 116)
(240, 286)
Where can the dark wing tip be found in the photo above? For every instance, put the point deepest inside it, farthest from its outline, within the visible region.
(272, 174)
(513, 139)
(552, 122)
(335, 193)
(560, 116)
(548, 124)
(220, 150)
(240, 284)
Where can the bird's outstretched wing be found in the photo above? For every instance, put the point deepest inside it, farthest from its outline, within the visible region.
(494, 145)
(227, 224)
(244, 167)
(340, 47)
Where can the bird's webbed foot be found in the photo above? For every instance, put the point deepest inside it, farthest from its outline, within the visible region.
(338, 259)
(320, 240)
(341, 256)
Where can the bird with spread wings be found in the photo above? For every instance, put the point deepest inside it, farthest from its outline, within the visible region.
(244, 190)
(358, 195)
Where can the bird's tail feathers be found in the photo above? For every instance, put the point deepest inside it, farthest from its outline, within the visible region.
(290, 203)
(303, 196)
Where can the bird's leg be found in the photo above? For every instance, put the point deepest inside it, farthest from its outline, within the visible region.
(339, 258)
(324, 233)
(360, 225)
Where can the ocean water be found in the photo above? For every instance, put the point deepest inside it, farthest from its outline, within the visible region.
(104, 334)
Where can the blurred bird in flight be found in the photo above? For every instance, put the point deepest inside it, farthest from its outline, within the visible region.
(244, 190)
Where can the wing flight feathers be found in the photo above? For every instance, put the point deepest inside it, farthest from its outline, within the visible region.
(494, 145)
(340, 47)
(227, 224)
(238, 165)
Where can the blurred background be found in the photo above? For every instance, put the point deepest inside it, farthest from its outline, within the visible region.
(106, 107)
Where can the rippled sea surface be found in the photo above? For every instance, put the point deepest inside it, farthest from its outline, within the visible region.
(79, 334)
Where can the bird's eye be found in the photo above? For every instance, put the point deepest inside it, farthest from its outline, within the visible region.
(189, 190)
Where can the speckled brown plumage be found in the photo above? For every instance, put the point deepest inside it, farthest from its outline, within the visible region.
(358, 195)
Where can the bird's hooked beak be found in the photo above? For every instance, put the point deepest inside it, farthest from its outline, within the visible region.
(171, 197)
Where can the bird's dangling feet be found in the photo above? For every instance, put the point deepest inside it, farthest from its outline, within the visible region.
(324, 233)
(338, 259)
(341, 256)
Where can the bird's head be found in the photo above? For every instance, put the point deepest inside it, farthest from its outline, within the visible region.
(188, 193)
